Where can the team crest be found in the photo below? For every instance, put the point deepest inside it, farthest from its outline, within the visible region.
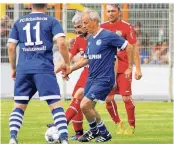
(98, 42)
(119, 32)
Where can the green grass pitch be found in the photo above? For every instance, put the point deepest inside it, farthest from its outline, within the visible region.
(154, 123)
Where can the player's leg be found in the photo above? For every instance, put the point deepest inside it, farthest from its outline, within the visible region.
(78, 93)
(77, 122)
(74, 107)
(48, 89)
(95, 91)
(111, 106)
(125, 91)
(23, 92)
(87, 107)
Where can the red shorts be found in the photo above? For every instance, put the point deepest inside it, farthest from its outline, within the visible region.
(123, 85)
(81, 81)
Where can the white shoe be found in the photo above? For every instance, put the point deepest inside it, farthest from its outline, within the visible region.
(13, 141)
(64, 142)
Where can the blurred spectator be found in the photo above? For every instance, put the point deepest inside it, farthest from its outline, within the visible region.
(141, 35)
(5, 26)
(160, 53)
(144, 54)
(143, 43)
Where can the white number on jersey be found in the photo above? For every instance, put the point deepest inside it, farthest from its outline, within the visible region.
(28, 34)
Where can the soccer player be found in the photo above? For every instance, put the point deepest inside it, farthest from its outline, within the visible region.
(34, 33)
(101, 48)
(74, 112)
(124, 29)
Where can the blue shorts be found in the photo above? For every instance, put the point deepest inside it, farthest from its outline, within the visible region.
(97, 90)
(26, 85)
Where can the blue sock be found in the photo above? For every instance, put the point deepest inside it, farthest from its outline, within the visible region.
(15, 121)
(102, 128)
(93, 127)
(60, 122)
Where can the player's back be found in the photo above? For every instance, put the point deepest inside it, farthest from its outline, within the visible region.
(34, 33)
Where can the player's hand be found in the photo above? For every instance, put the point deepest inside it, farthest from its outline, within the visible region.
(128, 73)
(59, 67)
(66, 71)
(138, 75)
(13, 74)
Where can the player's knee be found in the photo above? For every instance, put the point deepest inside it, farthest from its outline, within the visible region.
(126, 98)
(22, 104)
(79, 93)
(84, 106)
(109, 98)
(53, 103)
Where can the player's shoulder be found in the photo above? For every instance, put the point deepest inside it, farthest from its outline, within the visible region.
(125, 24)
(104, 24)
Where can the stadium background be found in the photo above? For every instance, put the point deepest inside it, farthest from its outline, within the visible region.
(154, 24)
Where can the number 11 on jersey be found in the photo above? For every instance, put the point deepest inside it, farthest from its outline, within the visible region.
(28, 35)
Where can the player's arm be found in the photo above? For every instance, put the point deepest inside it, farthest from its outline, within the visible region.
(129, 50)
(72, 53)
(61, 44)
(81, 63)
(131, 37)
(12, 43)
(12, 57)
(137, 62)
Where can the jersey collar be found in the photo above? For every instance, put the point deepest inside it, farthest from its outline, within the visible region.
(98, 32)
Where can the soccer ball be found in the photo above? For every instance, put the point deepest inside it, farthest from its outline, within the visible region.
(51, 135)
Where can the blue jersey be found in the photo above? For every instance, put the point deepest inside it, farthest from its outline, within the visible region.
(101, 52)
(34, 33)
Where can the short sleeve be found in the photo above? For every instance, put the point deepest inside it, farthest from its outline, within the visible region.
(131, 35)
(117, 41)
(57, 29)
(14, 38)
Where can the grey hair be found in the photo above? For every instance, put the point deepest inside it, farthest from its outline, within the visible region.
(77, 18)
(93, 15)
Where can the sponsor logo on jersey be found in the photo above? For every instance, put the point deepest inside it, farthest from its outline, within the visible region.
(119, 32)
(98, 42)
(95, 56)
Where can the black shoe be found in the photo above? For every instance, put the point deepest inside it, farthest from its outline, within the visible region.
(88, 136)
(102, 138)
(50, 125)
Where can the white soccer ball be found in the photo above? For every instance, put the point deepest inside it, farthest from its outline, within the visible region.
(52, 135)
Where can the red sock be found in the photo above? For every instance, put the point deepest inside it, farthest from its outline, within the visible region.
(73, 109)
(112, 109)
(130, 109)
(78, 123)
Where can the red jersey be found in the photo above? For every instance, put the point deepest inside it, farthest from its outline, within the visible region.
(79, 46)
(126, 31)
